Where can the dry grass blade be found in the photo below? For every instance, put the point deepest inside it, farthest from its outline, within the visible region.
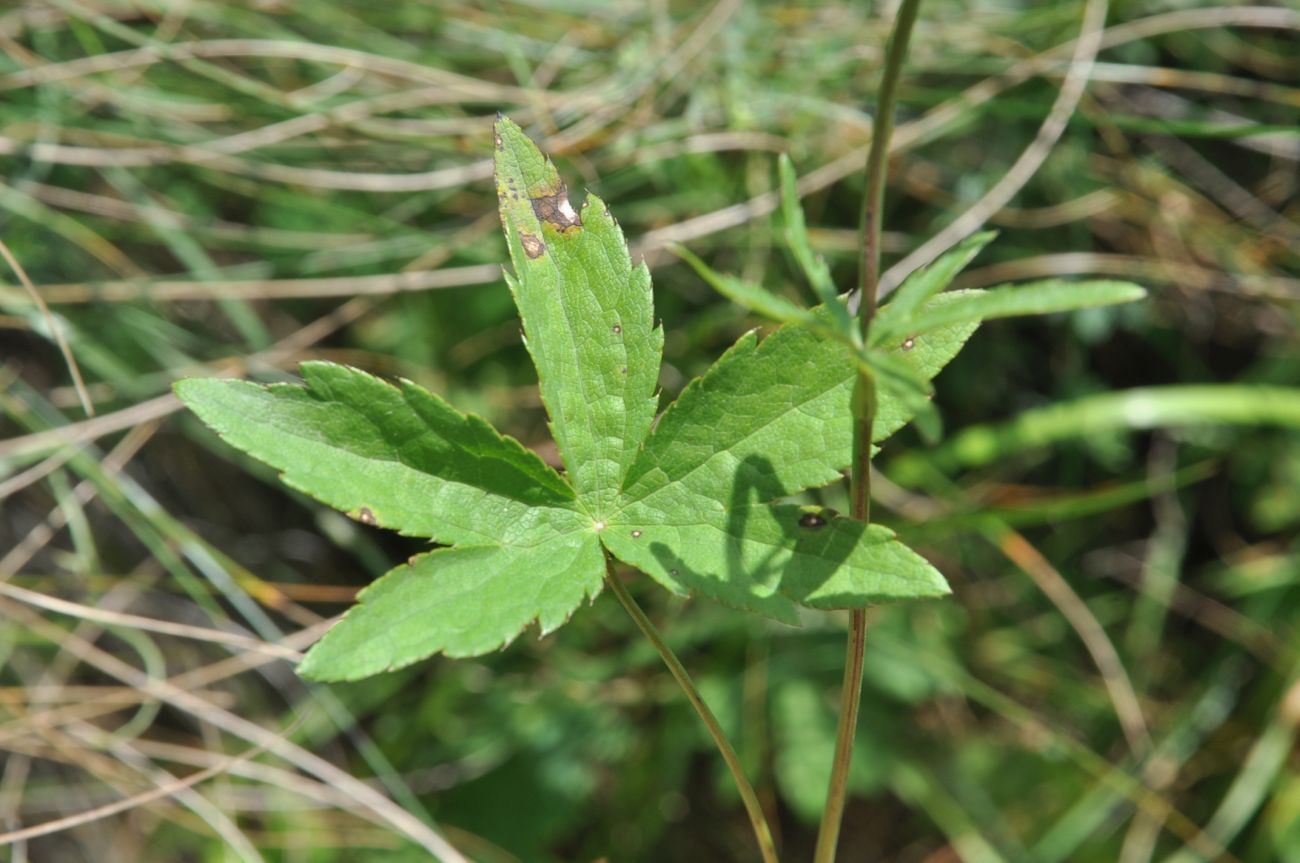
(56, 331)
(1146, 269)
(148, 624)
(165, 291)
(164, 790)
(88, 430)
(1082, 620)
(366, 798)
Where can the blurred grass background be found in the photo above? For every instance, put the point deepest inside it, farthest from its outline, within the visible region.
(207, 187)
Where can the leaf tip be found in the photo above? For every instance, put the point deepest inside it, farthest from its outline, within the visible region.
(196, 393)
(185, 388)
(312, 667)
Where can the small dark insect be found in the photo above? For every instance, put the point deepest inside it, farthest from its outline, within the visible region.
(365, 516)
(811, 520)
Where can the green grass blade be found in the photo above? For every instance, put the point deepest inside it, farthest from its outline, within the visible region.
(588, 319)
(1141, 408)
(395, 456)
(461, 602)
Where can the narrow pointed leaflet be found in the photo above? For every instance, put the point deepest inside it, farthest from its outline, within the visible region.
(395, 456)
(462, 601)
(588, 319)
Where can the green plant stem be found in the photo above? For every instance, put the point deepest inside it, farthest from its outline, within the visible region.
(864, 416)
(762, 832)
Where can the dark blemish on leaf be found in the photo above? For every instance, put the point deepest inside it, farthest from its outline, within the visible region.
(365, 515)
(624, 369)
(909, 343)
(812, 521)
(636, 534)
(533, 247)
(556, 210)
(617, 329)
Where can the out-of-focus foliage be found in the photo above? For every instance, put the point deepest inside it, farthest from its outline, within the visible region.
(217, 187)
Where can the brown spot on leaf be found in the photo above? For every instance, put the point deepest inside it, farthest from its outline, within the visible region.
(556, 210)
(365, 515)
(533, 246)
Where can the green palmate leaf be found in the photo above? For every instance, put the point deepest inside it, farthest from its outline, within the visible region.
(689, 503)
(769, 420)
(1034, 298)
(394, 456)
(588, 319)
(459, 601)
(895, 318)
